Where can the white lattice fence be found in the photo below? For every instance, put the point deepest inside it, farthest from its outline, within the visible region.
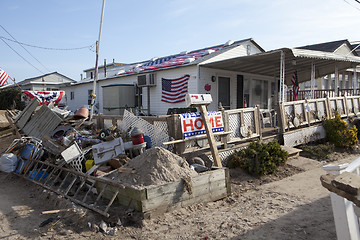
(242, 123)
(157, 132)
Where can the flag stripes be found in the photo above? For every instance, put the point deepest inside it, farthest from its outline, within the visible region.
(174, 90)
(3, 77)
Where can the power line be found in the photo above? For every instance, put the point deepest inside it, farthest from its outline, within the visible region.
(357, 1)
(353, 5)
(21, 56)
(26, 49)
(90, 47)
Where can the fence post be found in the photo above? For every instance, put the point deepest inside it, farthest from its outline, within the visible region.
(328, 108)
(281, 117)
(346, 106)
(224, 138)
(306, 111)
(174, 130)
(258, 121)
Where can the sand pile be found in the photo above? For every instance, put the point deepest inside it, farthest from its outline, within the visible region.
(156, 166)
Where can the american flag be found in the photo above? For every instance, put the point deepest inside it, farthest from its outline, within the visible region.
(174, 90)
(295, 83)
(3, 77)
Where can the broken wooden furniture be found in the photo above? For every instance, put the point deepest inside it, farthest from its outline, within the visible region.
(155, 200)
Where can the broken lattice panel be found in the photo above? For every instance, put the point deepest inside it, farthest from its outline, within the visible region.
(157, 132)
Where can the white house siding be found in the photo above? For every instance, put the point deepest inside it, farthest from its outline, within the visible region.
(206, 75)
(343, 50)
(158, 107)
(235, 52)
(80, 96)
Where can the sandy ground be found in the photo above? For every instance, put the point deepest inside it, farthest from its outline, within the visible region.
(289, 205)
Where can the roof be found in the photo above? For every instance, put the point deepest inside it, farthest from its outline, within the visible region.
(268, 63)
(328, 46)
(48, 74)
(177, 60)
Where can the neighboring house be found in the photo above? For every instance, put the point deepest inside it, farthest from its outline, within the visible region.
(231, 88)
(48, 82)
(346, 78)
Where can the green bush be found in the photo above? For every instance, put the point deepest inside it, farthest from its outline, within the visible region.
(10, 99)
(259, 158)
(339, 133)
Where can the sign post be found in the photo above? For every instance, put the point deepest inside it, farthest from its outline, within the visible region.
(201, 101)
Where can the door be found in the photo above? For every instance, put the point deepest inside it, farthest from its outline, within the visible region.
(240, 91)
(224, 91)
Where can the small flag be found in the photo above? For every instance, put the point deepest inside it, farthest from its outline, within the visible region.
(295, 83)
(174, 90)
(3, 77)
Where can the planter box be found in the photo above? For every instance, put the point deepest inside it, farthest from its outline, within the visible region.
(155, 200)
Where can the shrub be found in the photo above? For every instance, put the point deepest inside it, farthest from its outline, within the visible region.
(318, 151)
(259, 158)
(339, 133)
(11, 98)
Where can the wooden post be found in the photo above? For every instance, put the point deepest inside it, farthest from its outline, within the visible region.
(281, 116)
(174, 129)
(328, 108)
(346, 106)
(210, 135)
(258, 123)
(224, 138)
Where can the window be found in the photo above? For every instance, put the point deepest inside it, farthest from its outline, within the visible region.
(72, 96)
(91, 75)
(138, 96)
(89, 96)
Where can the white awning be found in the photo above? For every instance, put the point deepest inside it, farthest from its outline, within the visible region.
(268, 63)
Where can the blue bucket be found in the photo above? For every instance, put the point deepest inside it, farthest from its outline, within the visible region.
(27, 151)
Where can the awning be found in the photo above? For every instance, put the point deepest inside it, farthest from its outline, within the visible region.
(268, 63)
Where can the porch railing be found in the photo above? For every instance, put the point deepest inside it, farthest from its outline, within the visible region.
(322, 93)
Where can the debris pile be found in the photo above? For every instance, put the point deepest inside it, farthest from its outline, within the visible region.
(156, 166)
(67, 154)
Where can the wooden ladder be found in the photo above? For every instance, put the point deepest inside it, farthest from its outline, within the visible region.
(76, 186)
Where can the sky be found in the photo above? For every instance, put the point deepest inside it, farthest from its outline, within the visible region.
(139, 30)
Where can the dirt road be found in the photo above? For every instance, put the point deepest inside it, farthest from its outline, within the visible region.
(295, 207)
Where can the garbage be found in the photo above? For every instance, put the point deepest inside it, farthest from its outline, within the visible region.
(8, 162)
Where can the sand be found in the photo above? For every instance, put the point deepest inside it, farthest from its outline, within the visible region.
(289, 205)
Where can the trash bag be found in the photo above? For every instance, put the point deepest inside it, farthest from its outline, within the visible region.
(8, 162)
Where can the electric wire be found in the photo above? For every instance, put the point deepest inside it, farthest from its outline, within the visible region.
(352, 5)
(26, 50)
(90, 47)
(21, 56)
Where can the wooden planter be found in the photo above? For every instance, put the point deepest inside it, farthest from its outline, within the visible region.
(155, 200)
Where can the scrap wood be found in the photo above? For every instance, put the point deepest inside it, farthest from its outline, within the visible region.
(57, 211)
(340, 185)
(126, 170)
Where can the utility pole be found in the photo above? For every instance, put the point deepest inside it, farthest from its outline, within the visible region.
(96, 64)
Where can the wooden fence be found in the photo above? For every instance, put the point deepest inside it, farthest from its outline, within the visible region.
(240, 124)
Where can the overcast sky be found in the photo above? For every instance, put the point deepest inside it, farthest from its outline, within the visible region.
(139, 30)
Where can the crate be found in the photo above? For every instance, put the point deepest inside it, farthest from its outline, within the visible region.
(155, 200)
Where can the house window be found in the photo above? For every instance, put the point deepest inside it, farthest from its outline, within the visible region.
(72, 95)
(91, 75)
(138, 96)
(89, 96)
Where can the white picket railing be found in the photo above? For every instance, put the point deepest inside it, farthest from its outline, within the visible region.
(345, 212)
